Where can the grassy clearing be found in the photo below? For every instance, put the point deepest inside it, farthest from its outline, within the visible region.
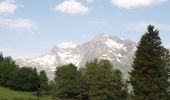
(8, 94)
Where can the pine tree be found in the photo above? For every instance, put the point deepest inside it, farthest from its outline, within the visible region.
(103, 82)
(8, 69)
(1, 57)
(120, 86)
(43, 82)
(26, 79)
(67, 82)
(149, 75)
(17, 78)
(91, 73)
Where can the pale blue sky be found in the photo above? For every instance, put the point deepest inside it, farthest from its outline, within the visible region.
(32, 27)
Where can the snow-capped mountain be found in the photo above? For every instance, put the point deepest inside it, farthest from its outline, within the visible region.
(118, 51)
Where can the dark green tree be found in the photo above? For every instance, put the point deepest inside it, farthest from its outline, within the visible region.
(103, 82)
(67, 84)
(17, 78)
(8, 69)
(1, 57)
(120, 86)
(43, 83)
(51, 86)
(26, 79)
(149, 76)
(90, 75)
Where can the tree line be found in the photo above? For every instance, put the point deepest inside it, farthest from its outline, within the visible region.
(24, 78)
(98, 80)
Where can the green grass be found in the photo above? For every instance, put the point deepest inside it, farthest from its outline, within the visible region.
(8, 94)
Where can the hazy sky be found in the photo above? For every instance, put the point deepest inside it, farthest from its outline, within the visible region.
(32, 27)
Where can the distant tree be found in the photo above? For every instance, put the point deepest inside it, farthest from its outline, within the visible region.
(90, 75)
(1, 57)
(17, 78)
(26, 79)
(43, 83)
(67, 84)
(51, 87)
(103, 82)
(149, 76)
(120, 86)
(8, 69)
(167, 62)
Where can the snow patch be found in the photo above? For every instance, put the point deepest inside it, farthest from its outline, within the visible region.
(63, 55)
(49, 59)
(124, 49)
(66, 45)
(113, 44)
(119, 55)
(78, 62)
(106, 36)
(118, 59)
(105, 57)
(67, 56)
(134, 49)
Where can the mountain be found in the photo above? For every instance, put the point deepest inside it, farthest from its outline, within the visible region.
(118, 51)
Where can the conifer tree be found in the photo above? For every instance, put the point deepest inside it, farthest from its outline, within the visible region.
(104, 83)
(43, 83)
(17, 78)
(7, 71)
(149, 76)
(1, 57)
(67, 82)
(26, 79)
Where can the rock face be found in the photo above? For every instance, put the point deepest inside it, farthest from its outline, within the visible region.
(118, 51)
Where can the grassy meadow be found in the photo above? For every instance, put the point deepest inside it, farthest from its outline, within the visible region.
(8, 94)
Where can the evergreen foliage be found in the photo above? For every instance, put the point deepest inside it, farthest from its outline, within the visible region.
(149, 76)
(1, 57)
(7, 71)
(97, 81)
(26, 79)
(67, 82)
(103, 82)
(12, 76)
(43, 83)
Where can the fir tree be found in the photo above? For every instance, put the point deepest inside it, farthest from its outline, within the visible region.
(43, 83)
(8, 69)
(17, 78)
(26, 79)
(67, 82)
(1, 57)
(104, 83)
(149, 75)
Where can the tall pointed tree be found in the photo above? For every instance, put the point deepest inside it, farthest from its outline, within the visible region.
(104, 83)
(43, 82)
(1, 57)
(7, 71)
(67, 82)
(149, 76)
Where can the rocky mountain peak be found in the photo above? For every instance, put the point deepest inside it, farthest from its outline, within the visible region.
(104, 38)
(118, 51)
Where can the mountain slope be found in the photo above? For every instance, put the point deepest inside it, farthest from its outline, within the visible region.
(117, 50)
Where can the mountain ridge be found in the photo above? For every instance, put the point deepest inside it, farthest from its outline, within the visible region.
(118, 51)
